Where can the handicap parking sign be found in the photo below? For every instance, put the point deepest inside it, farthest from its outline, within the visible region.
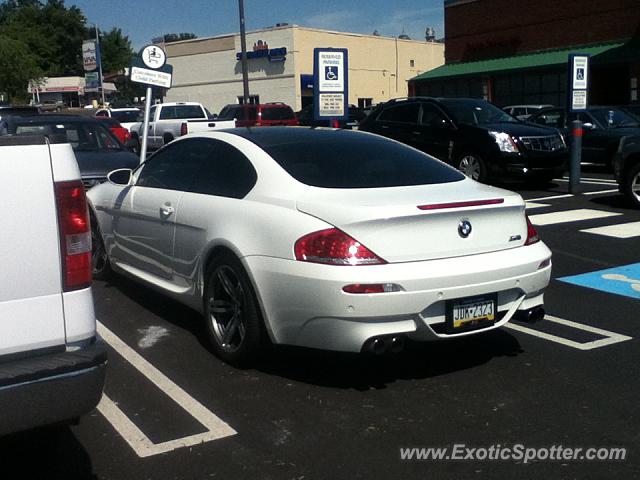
(331, 72)
(624, 280)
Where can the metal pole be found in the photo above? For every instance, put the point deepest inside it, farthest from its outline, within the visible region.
(99, 63)
(576, 156)
(243, 45)
(145, 126)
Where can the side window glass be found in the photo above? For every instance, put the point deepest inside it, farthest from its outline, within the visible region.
(172, 168)
(405, 113)
(432, 117)
(225, 172)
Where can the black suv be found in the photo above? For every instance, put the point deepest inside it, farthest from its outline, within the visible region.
(626, 167)
(603, 128)
(473, 135)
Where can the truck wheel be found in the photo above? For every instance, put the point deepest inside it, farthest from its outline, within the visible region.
(631, 185)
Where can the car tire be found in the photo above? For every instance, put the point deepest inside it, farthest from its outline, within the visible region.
(631, 185)
(473, 166)
(100, 265)
(232, 315)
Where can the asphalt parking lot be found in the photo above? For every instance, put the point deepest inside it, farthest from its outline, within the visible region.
(172, 410)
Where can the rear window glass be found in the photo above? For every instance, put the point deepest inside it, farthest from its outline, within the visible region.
(358, 160)
(277, 113)
(181, 111)
(125, 117)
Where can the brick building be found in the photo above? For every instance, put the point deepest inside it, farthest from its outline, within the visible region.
(515, 51)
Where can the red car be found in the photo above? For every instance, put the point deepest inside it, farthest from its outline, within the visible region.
(259, 115)
(117, 129)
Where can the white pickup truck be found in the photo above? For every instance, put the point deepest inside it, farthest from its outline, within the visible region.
(52, 365)
(168, 121)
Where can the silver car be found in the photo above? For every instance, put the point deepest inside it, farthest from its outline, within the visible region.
(322, 238)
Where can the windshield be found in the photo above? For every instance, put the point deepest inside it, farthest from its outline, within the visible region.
(476, 112)
(614, 118)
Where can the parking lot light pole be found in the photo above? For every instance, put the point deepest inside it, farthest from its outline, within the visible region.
(243, 45)
(576, 156)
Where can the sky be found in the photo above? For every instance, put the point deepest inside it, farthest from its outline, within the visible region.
(142, 20)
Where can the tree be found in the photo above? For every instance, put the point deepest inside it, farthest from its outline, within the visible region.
(17, 66)
(51, 31)
(176, 37)
(116, 51)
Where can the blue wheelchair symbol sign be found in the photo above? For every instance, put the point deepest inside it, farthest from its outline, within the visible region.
(331, 72)
(624, 280)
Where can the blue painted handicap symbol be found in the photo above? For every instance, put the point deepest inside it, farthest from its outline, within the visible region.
(624, 280)
(331, 73)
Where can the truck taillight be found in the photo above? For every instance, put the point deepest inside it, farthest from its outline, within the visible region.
(75, 235)
(183, 128)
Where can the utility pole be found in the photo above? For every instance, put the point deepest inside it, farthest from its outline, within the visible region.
(243, 45)
(99, 63)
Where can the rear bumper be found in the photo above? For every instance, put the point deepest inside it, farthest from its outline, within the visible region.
(51, 388)
(304, 304)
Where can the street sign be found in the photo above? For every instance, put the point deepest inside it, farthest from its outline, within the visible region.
(330, 83)
(578, 82)
(150, 68)
(91, 82)
(89, 55)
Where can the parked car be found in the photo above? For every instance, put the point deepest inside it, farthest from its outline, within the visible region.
(125, 116)
(633, 110)
(51, 106)
(259, 114)
(324, 238)
(96, 149)
(171, 120)
(52, 365)
(523, 112)
(626, 167)
(603, 128)
(7, 111)
(305, 117)
(116, 128)
(478, 138)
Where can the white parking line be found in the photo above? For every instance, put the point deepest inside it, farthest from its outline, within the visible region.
(137, 440)
(621, 230)
(610, 337)
(552, 197)
(532, 205)
(570, 216)
(603, 180)
(597, 192)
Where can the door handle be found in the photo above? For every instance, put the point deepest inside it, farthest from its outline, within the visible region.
(415, 133)
(166, 210)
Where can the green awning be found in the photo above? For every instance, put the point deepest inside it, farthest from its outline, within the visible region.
(530, 60)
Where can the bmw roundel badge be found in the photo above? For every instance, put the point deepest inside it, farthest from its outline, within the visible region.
(464, 228)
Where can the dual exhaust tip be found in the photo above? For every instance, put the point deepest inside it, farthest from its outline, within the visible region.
(532, 315)
(384, 344)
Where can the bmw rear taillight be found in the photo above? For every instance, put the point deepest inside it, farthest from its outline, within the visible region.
(532, 233)
(334, 247)
(75, 235)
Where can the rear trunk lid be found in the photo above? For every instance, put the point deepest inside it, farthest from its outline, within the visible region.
(424, 222)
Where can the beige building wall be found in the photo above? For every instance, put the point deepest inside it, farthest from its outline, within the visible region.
(379, 67)
(206, 70)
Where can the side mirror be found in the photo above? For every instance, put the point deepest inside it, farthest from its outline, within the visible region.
(121, 176)
(588, 126)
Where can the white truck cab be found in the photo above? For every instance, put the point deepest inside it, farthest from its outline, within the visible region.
(52, 365)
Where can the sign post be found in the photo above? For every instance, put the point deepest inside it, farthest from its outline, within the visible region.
(578, 101)
(151, 69)
(330, 84)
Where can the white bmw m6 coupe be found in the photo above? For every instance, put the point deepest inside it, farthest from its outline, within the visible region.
(331, 239)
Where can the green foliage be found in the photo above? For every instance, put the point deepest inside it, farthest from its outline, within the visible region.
(176, 37)
(116, 51)
(17, 66)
